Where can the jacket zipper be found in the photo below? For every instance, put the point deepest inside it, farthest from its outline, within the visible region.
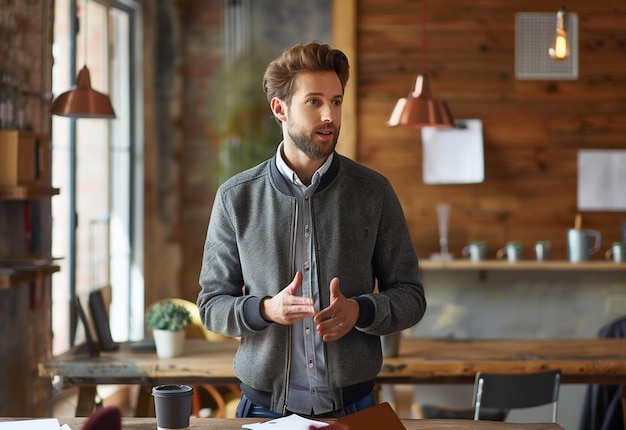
(321, 298)
(293, 253)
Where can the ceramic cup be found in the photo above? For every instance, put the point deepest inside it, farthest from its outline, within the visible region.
(543, 249)
(476, 251)
(579, 246)
(512, 251)
(616, 253)
(172, 405)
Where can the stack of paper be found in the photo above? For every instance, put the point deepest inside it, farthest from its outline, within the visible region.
(39, 424)
(291, 422)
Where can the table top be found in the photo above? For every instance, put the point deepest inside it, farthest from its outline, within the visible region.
(583, 361)
(202, 361)
(236, 423)
(601, 360)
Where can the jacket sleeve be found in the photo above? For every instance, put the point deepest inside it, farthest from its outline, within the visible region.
(400, 302)
(223, 306)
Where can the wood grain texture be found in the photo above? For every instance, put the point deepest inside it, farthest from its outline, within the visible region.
(236, 423)
(457, 361)
(419, 361)
(532, 129)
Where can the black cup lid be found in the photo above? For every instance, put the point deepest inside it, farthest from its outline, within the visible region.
(171, 390)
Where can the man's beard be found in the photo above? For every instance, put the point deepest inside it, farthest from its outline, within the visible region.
(306, 143)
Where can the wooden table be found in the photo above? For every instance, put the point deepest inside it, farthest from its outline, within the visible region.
(202, 362)
(236, 423)
(582, 361)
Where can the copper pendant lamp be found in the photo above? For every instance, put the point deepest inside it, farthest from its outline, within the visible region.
(82, 101)
(420, 108)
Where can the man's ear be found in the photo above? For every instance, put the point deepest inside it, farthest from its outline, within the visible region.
(279, 109)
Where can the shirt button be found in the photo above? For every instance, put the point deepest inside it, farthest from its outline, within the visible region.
(306, 197)
(310, 363)
(307, 330)
(306, 266)
(313, 390)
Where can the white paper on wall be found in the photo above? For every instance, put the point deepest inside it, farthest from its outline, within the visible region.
(455, 155)
(602, 180)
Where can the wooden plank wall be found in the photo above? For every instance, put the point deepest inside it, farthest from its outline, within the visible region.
(532, 129)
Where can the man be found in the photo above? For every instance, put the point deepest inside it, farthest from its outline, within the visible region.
(294, 250)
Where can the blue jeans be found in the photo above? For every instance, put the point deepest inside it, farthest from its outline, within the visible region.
(247, 409)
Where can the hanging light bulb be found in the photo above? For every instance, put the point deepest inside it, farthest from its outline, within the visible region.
(559, 49)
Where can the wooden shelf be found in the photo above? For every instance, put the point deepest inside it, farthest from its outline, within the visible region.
(26, 192)
(528, 265)
(10, 277)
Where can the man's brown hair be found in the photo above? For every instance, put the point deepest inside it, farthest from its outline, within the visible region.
(279, 77)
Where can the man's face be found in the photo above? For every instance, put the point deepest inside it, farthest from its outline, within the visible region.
(314, 115)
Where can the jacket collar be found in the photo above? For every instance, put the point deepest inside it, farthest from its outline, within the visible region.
(281, 183)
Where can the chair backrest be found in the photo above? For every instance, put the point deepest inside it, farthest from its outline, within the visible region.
(515, 391)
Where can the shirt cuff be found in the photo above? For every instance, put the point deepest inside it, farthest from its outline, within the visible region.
(252, 311)
(367, 311)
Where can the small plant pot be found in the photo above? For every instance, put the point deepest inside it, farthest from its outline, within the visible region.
(169, 343)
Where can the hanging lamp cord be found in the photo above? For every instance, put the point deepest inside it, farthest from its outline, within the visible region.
(423, 25)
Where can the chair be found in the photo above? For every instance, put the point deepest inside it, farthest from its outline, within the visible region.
(602, 407)
(427, 411)
(495, 394)
(516, 391)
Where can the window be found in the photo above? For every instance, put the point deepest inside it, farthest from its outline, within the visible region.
(98, 218)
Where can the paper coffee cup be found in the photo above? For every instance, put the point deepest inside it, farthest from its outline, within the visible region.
(172, 405)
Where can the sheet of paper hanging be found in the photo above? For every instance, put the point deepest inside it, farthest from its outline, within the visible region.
(601, 180)
(454, 155)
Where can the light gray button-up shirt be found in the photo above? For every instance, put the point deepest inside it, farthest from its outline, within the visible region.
(309, 392)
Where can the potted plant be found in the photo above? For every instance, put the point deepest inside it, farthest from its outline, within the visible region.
(168, 321)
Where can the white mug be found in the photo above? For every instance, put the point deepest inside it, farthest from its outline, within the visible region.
(542, 250)
(476, 251)
(616, 253)
(512, 251)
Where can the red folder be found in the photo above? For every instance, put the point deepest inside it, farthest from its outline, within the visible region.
(380, 416)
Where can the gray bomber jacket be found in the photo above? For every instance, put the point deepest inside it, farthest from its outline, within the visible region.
(361, 237)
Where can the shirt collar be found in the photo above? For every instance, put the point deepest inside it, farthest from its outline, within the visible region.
(291, 176)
